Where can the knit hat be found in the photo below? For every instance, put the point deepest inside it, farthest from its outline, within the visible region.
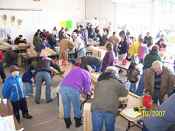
(13, 68)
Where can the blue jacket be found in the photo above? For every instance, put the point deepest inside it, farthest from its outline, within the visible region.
(13, 88)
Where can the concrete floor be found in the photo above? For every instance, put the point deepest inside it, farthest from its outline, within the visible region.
(45, 118)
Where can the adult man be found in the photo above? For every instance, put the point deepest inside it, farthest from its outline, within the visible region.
(148, 39)
(158, 81)
(43, 73)
(106, 100)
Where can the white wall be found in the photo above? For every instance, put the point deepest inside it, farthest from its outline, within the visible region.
(53, 11)
(102, 9)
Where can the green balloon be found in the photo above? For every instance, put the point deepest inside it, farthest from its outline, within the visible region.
(69, 24)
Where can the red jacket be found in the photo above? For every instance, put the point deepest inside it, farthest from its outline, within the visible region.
(1, 56)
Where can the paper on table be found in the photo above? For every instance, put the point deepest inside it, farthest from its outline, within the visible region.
(129, 112)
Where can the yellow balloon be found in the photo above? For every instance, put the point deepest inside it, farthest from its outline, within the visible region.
(63, 24)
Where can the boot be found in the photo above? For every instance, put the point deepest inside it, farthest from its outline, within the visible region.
(67, 122)
(78, 122)
(27, 116)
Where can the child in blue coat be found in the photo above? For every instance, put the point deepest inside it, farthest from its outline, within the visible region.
(13, 91)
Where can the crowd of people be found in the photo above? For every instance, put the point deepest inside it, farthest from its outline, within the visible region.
(153, 78)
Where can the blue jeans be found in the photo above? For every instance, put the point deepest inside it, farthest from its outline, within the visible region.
(100, 118)
(70, 96)
(40, 77)
(28, 91)
(133, 87)
(140, 88)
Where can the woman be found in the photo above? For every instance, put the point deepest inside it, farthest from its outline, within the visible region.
(133, 76)
(106, 100)
(65, 45)
(77, 81)
(108, 59)
(123, 46)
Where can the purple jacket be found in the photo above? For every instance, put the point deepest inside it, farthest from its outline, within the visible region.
(107, 60)
(79, 79)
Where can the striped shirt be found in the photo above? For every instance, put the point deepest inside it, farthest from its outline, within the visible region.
(157, 81)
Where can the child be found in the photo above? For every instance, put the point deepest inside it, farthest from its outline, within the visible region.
(27, 81)
(13, 91)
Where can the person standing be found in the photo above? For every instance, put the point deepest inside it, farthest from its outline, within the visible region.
(77, 81)
(13, 91)
(65, 45)
(106, 100)
(108, 59)
(79, 44)
(151, 57)
(27, 81)
(148, 40)
(122, 46)
(43, 73)
(37, 41)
